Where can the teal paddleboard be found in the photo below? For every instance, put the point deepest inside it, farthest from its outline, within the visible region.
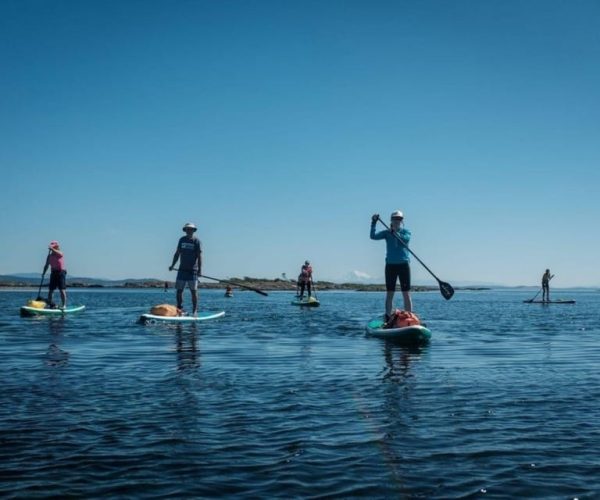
(202, 316)
(415, 333)
(35, 311)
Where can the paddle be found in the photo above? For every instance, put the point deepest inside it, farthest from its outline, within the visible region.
(314, 291)
(445, 288)
(235, 284)
(531, 300)
(231, 283)
(39, 297)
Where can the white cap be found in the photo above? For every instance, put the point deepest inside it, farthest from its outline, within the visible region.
(397, 215)
(189, 225)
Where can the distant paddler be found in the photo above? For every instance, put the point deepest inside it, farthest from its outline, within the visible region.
(58, 273)
(546, 277)
(305, 279)
(189, 250)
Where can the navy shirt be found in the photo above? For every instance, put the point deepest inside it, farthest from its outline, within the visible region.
(189, 249)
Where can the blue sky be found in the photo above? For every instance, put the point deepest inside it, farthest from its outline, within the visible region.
(280, 127)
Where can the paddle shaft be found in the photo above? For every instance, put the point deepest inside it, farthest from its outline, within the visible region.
(230, 283)
(235, 284)
(445, 288)
(531, 300)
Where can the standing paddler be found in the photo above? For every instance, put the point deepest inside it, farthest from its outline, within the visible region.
(58, 274)
(189, 250)
(546, 286)
(397, 260)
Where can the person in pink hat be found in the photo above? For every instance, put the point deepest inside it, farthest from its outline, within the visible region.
(58, 273)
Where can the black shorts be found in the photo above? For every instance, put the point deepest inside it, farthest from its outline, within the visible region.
(58, 279)
(393, 272)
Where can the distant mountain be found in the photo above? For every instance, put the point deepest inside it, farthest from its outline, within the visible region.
(360, 277)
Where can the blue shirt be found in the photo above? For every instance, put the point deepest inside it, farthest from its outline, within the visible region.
(397, 253)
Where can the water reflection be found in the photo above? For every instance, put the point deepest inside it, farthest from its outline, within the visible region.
(398, 359)
(55, 356)
(186, 346)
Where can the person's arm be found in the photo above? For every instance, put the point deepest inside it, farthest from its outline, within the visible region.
(374, 235)
(199, 258)
(56, 251)
(175, 258)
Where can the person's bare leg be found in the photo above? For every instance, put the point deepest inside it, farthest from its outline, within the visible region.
(407, 301)
(389, 302)
(179, 299)
(194, 302)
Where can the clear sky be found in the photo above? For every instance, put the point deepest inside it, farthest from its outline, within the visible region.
(279, 127)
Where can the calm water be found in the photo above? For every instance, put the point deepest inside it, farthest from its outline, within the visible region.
(274, 401)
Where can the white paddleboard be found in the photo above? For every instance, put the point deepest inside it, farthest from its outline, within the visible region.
(201, 316)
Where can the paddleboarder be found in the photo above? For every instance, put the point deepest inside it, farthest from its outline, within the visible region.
(305, 279)
(58, 273)
(546, 286)
(397, 260)
(189, 250)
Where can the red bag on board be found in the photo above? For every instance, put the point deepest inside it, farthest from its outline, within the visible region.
(400, 319)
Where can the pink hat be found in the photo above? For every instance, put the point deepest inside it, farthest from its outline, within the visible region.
(54, 244)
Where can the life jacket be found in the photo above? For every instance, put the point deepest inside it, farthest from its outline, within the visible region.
(400, 319)
(306, 273)
(164, 310)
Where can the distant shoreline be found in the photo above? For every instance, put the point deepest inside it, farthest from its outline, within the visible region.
(260, 283)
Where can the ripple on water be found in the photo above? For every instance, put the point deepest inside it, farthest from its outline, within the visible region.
(275, 401)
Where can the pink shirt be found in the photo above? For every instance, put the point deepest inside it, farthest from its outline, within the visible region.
(57, 262)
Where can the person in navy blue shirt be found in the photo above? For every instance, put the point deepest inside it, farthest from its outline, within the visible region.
(189, 250)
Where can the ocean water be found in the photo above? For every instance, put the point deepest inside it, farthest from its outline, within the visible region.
(273, 401)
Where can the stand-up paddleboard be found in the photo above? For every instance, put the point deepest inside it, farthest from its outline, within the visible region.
(414, 333)
(549, 301)
(308, 302)
(38, 311)
(202, 316)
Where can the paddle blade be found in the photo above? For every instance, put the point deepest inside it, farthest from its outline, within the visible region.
(447, 290)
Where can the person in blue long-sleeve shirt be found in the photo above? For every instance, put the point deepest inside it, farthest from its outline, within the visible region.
(397, 260)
